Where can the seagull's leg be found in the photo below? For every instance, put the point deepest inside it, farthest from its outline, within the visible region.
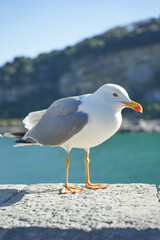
(67, 188)
(87, 180)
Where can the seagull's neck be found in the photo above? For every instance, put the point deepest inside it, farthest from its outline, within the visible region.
(99, 100)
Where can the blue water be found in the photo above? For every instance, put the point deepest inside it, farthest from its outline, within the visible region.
(125, 158)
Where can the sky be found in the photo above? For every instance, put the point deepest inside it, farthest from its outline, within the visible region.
(31, 27)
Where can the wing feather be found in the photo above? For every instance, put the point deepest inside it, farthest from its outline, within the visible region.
(33, 118)
(60, 122)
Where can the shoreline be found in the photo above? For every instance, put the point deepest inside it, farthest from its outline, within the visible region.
(139, 125)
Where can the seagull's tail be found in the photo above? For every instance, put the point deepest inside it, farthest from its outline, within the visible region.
(14, 134)
(20, 141)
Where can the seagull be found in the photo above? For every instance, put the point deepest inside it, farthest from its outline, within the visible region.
(83, 121)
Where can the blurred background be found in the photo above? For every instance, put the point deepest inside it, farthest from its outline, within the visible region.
(53, 49)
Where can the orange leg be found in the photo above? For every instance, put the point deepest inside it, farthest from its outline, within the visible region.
(67, 188)
(87, 180)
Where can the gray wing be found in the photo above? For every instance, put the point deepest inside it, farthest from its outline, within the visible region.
(59, 123)
(58, 108)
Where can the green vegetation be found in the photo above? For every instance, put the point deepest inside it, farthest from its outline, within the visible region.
(152, 109)
(10, 122)
(31, 84)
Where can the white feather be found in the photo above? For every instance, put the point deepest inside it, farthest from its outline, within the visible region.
(32, 119)
(24, 144)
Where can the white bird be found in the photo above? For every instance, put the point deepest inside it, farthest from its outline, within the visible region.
(78, 122)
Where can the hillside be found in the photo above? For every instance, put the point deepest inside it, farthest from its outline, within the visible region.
(129, 56)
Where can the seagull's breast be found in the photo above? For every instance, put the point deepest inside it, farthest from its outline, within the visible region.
(102, 124)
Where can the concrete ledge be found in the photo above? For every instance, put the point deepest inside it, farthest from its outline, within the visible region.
(122, 211)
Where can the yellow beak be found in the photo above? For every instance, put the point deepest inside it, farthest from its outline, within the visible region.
(134, 105)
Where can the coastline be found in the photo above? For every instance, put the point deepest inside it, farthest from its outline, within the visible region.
(138, 125)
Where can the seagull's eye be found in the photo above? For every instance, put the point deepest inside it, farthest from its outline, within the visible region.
(115, 94)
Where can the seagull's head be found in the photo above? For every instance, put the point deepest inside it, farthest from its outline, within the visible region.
(117, 97)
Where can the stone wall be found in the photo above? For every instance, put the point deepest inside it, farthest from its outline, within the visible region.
(122, 211)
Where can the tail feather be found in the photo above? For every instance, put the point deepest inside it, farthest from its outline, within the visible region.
(14, 134)
(20, 141)
(26, 141)
(24, 144)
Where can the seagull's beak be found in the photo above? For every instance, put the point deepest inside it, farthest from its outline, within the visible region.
(134, 105)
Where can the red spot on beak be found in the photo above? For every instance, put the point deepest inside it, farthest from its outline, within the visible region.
(134, 105)
(137, 108)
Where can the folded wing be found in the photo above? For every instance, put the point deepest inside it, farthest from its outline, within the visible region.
(59, 122)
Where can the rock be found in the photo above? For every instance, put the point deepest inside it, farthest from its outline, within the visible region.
(122, 211)
(130, 58)
(140, 125)
(158, 193)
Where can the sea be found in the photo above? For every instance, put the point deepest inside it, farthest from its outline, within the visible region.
(124, 158)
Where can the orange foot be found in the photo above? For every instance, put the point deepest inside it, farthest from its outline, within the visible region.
(69, 189)
(96, 186)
